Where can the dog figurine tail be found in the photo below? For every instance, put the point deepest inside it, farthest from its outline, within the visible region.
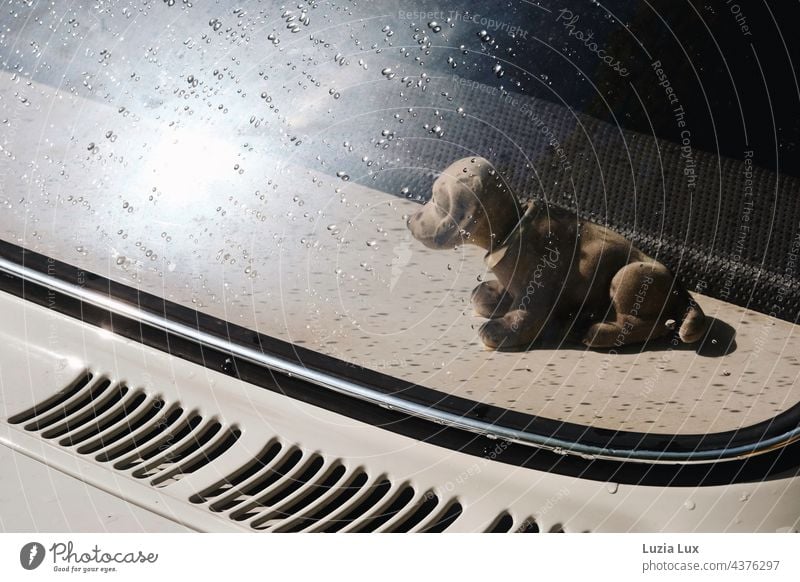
(694, 324)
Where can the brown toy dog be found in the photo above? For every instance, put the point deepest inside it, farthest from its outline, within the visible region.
(552, 267)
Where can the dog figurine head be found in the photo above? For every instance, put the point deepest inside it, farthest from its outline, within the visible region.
(471, 204)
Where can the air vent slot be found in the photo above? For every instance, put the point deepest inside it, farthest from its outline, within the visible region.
(423, 509)
(141, 434)
(298, 497)
(363, 504)
(282, 485)
(309, 495)
(70, 408)
(201, 456)
(101, 401)
(69, 392)
(367, 502)
(285, 489)
(159, 441)
(334, 500)
(503, 523)
(393, 506)
(261, 481)
(138, 439)
(116, 414)
(528, 526)
(446, 518)
(267, 455)
(124, 426)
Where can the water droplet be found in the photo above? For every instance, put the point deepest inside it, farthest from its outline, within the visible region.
(388, 72)
(689, 504)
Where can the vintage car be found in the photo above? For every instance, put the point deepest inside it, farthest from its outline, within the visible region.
(214, 317)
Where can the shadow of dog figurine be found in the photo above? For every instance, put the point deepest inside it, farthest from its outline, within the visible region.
(552, 266)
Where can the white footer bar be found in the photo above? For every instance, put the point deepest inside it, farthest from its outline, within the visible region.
(228, 557)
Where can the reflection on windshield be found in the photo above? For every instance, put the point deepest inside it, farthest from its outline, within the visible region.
(260, 161)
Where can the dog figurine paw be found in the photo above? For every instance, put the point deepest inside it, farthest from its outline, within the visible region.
(551, 266)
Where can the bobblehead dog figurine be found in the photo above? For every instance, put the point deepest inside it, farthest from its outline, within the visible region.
(552, 268)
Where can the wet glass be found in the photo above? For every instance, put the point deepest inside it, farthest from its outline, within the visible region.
(258, 162)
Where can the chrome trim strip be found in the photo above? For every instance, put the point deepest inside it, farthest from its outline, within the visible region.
(352, 389)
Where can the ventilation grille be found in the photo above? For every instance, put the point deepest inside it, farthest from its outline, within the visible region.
(284, 489)
(135, 432)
